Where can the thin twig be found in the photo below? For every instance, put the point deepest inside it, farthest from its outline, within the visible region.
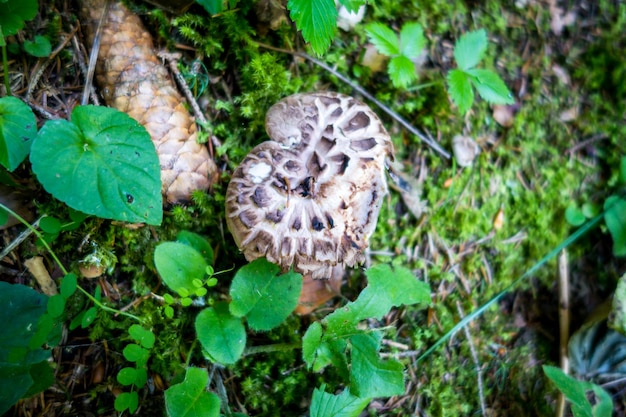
(479, 372)
(22, 237)
(365, 94)
(93, 56)
(563, 324)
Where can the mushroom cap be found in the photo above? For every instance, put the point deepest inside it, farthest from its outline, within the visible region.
(310, 197)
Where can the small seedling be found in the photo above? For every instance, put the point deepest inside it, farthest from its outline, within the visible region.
(403, 50)
(469, 50)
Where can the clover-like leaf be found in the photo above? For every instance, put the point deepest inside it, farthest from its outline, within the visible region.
(102, 163)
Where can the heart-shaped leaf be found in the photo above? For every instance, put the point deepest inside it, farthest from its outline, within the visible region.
(220, 334)
(190, 398)
(18, 127)
(102, 163)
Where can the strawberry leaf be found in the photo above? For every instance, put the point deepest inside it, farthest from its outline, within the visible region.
(383, 38)
(470, 48)
(317, 19)
(412, 40)
(490, 86)
(402, 71)
(460, 90)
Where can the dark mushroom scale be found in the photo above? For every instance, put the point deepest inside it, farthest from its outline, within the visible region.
(310, 197)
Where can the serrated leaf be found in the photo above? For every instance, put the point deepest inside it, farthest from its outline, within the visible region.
(18, 128)
(412, 40)
(490, 86)
(352, 6)
(402, 71)
(324, 404)
(460, 90)
(470, 48)
(317, 19)
(222, 335)
(13, 14)
(371, 376)
(383, 38)
(615, 219)
(263, 295)
(39, 46)
(178, 265)
(190, 398)
(102, 163)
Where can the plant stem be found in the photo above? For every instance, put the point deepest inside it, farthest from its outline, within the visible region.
(278, 347)
(5, 63)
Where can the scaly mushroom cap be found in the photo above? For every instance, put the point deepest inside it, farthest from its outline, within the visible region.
(310, 197)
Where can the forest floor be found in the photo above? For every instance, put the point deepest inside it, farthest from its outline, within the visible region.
(472, 232)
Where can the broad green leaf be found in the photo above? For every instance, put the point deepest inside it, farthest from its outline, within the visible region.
(383, 38)
(412, 40)
(135, 353)
(470, 48)
(145, 337)
(50, 225)
(13, 14)
(102, 163)
(212, 6)
(43, 378)
(39, 46)
(574, 215)
(198, 243)
(317, 19)
(220, 334)
(622, 170)
(324, 404)
(402, 71)
(263, 295)
(490, 86)
(190, 398)
(579, 393)
(615, 219)
(15, 380)
(371, 376)
(178, 265)
(460, 90)
(69, 283)
(127, 401)
(18, 128)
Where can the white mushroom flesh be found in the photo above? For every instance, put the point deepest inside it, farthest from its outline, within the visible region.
(310, 197)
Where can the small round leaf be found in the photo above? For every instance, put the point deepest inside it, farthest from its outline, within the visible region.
(220, 334)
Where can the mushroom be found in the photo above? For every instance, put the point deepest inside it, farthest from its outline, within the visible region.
(309, 198)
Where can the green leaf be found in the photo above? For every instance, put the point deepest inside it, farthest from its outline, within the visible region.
(212, 6)
(88, 317)
(317, 19)
(615, 219)
(178, 265)
(412, 40)
(135, 353)
(190, 398)
(402, 71)
(470, 48)
(69, 284)
(591, 210)
(4, 216)
(14, 13)
(263, 295)
(127, 376)
(319, 352)
(490, 86)
(383, 38)
(102, 163)
(56, 305)
(198, 243)
(18, 128)
(579, 392)
(127, 401)
(144, 336)
(324, 404)
(574, 215)
(460, 90)
(352, 5)
(50, 225)
(220, 334)
(371, 376)
(39, 46)
(622, 170)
